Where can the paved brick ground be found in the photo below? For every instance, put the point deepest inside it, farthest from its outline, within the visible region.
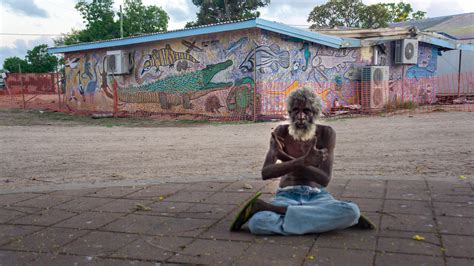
(183, 223)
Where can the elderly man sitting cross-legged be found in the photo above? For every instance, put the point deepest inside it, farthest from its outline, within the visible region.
(306, 154)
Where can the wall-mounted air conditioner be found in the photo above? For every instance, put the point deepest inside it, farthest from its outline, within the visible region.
(374, 87)
(406, 51)
(118, 62)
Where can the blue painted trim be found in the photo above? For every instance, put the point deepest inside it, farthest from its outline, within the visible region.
(327, 40)
(331, 41)
(314, 37)
(438, 42)
(154, 37)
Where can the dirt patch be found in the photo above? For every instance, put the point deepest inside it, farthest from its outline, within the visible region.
(38, 149)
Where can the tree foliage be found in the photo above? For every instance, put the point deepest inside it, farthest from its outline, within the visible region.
(418, 15)
(374, 16)
(13, 63)
(103, 23)
(143, 19)
(36, 60)
(398, 11)
(336, 13)
(353, 13)
(98, 16)
(215, 11)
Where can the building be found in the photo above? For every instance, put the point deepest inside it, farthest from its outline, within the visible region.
(459, 27)
(219, 71)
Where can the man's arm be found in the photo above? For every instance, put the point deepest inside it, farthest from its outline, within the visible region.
(315, 164)
(270, 168)
(321, 168)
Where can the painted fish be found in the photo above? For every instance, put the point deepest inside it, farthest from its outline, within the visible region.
(165, 57)
(268, 56)
(235, 45)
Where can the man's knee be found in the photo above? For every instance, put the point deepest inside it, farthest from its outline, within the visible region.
(263, 222)
(353, 212)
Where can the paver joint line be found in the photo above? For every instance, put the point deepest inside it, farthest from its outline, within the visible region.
(398, 216)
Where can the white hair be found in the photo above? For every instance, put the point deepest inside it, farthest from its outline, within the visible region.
(304, 94)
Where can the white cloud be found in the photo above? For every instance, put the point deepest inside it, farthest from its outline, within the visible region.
(21, 46)
(26, 8)
(62, 16)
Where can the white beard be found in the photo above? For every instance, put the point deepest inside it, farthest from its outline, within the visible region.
(302, 134)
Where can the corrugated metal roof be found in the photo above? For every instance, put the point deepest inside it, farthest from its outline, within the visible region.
(459, 26)
(421, 24)
(370, 37)
(331, 41)
(368, 33)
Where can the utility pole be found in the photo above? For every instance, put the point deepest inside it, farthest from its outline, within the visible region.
(121, 22)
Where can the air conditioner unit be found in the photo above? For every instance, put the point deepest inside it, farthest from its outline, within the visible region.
(374, 89)
(406, 51)
(118, 62)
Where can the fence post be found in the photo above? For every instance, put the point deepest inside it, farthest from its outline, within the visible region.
(459, 73)
(22, 88)
(115, 98)
(403, 83)
(57, 86)
(255, 88)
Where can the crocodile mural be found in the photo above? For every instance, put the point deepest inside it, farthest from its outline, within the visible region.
(177, 90)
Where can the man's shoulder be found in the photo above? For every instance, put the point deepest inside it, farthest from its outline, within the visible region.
(326, 130)
(281, 130)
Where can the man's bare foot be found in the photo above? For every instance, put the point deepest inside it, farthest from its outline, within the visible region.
(251, 207)
(261, 205)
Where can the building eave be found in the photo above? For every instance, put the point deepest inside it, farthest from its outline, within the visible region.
(331, 41)
(327, 40)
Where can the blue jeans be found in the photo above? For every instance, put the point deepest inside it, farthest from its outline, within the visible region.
(310, 210)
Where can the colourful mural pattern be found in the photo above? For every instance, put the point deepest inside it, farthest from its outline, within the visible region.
(220, 75)
(183, 76)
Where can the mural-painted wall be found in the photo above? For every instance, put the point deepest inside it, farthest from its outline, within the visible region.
(289, 63)
(215, 75)
(412, 82)
(195, 75)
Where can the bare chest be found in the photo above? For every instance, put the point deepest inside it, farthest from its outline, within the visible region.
(297, 148)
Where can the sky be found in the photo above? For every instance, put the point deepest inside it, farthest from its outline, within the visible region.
(25, 24)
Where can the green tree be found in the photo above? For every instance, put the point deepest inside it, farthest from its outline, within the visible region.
(418, 15)
(336, 13)
(68, 38)
(11, 64)
(102, 23)
(36, 60)
(374, 16)
(215, 11)
(143, 19)
(40, 61)
(98, 16)
(353, 13)
(398, 11)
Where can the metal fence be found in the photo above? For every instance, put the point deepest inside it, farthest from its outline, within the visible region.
(32, 91)
(236, 103)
